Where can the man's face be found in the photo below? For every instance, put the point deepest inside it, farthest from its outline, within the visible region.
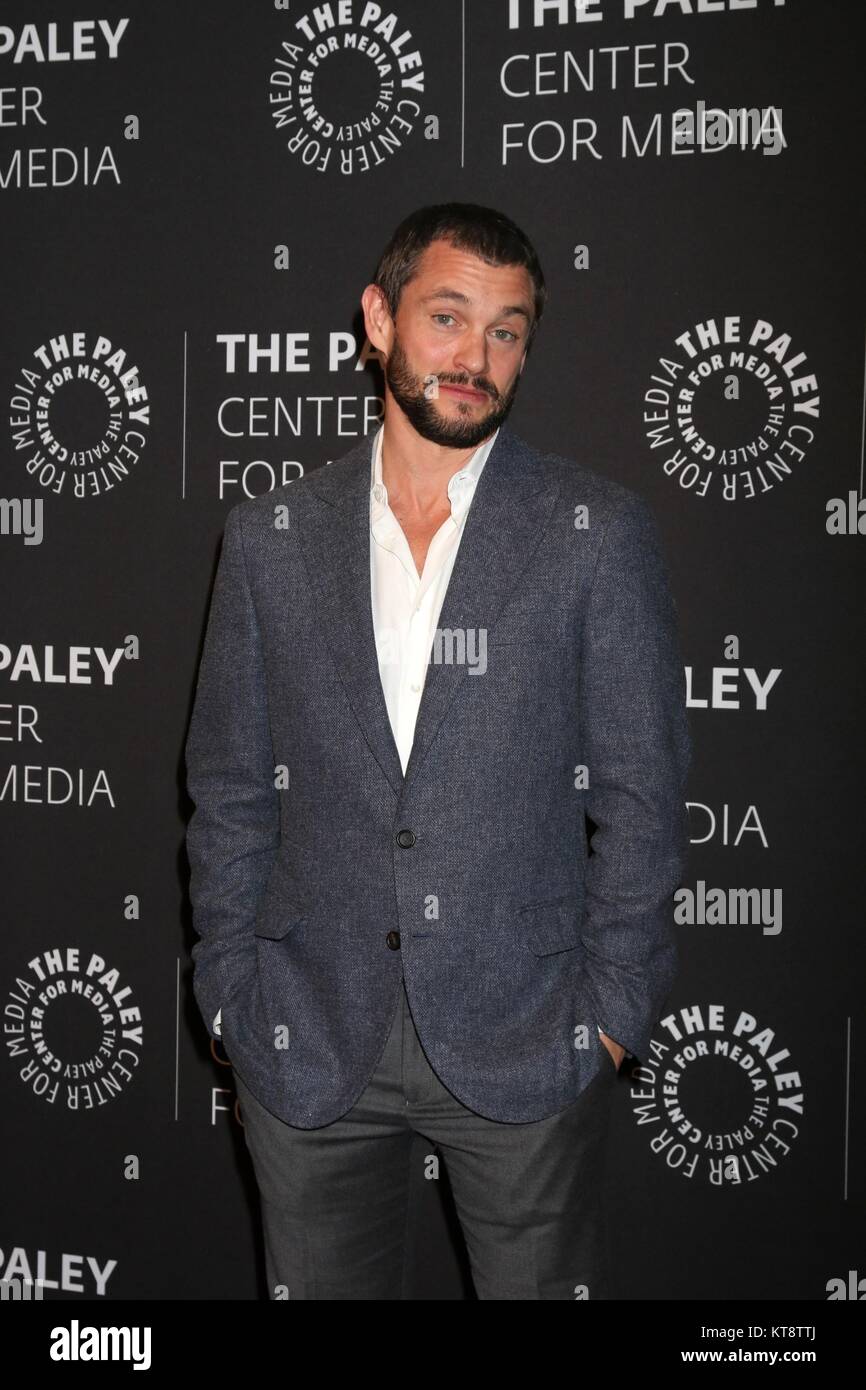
(457, 347)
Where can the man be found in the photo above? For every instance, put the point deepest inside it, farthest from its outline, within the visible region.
(425, 666)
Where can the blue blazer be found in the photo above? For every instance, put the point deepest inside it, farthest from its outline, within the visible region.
(321, 876)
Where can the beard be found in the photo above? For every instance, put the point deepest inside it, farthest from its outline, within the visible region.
(423, 414)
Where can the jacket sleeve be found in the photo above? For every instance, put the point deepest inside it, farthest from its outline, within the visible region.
(234, 831)
(637, 746)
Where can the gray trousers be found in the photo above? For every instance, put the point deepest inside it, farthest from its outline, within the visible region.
(335, 1200)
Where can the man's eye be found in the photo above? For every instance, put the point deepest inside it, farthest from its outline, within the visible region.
(443, 316)
(506, 331)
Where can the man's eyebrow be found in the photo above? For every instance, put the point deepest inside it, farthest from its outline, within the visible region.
(445, 293)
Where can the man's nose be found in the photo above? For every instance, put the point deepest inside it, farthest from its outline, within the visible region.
(471, 354)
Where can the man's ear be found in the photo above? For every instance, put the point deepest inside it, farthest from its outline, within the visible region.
(376, 311)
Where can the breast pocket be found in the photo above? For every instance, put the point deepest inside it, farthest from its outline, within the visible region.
(553, 925)
(530, 641)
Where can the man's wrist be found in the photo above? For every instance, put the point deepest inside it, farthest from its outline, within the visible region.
(603, 1034)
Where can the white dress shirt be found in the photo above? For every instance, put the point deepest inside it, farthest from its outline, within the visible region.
(406, 605)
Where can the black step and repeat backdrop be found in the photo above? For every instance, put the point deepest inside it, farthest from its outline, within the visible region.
(193, 198)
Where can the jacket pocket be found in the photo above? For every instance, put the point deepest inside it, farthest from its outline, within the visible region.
(551, 926)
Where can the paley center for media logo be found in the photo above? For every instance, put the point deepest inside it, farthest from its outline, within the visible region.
(72, 1029)
(344, 94)
(718, 1096)
(732, 408)
(79, 415)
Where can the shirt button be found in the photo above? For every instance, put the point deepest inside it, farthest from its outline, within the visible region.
(392, 940)
(406, 839)
(414, 687)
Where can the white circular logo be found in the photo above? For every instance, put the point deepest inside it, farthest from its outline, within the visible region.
(79, 415)
(73, 1031)
(345, 94)
(732, 409)
(718, 1097)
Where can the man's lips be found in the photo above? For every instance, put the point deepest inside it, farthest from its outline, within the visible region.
(466, 392)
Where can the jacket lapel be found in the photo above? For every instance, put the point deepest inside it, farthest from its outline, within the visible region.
(504, 524)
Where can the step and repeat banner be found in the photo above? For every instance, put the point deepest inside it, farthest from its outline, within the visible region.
(192, 200)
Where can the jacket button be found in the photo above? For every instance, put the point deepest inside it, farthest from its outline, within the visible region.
(406, 839)
(393, 940)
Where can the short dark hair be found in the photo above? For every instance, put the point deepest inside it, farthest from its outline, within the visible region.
(483, 232)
